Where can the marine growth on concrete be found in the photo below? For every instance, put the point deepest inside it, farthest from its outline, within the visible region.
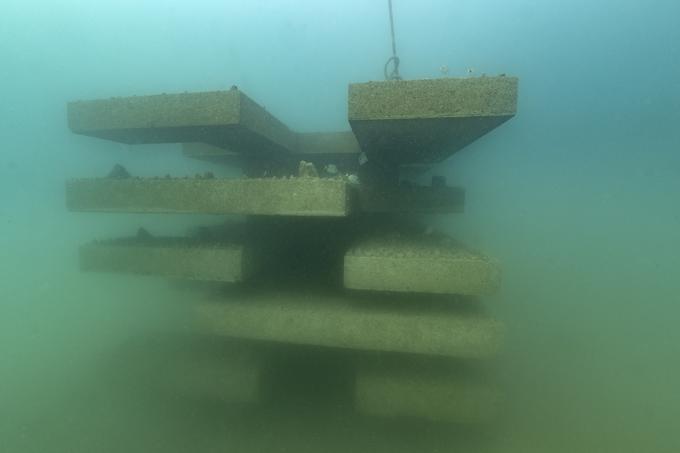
(267, 196)
(222, 118)
(417, 121)
(341, 321)
(221, 262)
(419, 264)
(286, 196)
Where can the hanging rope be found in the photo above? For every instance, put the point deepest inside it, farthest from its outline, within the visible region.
(394, 59)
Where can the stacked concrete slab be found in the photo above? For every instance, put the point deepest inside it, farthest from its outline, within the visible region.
(333, 253)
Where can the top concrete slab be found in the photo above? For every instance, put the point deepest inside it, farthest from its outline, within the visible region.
(222, 118)
(417, 121)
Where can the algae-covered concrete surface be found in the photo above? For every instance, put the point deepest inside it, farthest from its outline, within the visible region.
(340, 321)
(270, 196)
(433, 98)
(413, 121)
(222, 118)
(289, 174)
(331, 197)
(419, 264)
(176, 259)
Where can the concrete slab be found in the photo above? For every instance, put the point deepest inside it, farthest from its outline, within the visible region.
(340, 321)
(390, 198)
(223, 118)
(252, 196)
(416, 389)
(169, 257)
(419, 121)
(419, 264)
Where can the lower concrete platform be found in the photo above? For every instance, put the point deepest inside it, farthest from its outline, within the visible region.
(416, 390)
(169, 257)
(340, 321)
(249, 196)
(419, 264)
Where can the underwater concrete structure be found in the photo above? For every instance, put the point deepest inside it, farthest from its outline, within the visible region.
(192, 260)
(345, 322)
(223, 118)
(419, 265)
(248, 196)
(407, 121)
(333, 253)
(283, 196)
